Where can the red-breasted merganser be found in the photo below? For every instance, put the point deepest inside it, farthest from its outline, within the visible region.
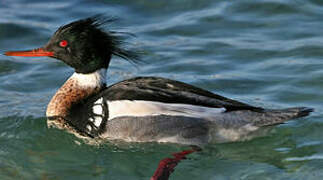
(141, 109)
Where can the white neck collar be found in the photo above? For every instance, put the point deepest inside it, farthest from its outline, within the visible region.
(95, 79)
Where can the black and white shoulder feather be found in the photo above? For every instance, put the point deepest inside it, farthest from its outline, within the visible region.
(170, 91)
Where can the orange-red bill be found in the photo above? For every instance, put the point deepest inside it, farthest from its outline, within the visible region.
(30, 53)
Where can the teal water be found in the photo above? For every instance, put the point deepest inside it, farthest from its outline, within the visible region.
(266, 52)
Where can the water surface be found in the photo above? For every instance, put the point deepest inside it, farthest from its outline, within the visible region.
(266, 52)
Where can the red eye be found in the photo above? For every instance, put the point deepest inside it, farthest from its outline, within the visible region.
(63, 43)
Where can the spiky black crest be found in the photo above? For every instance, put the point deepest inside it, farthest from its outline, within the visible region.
(90, 45)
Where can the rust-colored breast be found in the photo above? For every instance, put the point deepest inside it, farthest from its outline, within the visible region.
(68, 95)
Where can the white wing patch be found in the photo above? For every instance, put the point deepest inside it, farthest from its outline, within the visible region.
(89, 128)
(98, 112)
(151, 108)
(97, 109)
(97, 121)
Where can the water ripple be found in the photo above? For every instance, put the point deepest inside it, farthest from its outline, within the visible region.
(306, 158)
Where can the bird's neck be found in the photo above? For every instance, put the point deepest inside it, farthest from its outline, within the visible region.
(77, 88)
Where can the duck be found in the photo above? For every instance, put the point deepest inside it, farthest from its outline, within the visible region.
(140, 109)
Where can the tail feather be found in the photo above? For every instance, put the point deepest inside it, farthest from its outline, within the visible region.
(274, 116)
(304, 111)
